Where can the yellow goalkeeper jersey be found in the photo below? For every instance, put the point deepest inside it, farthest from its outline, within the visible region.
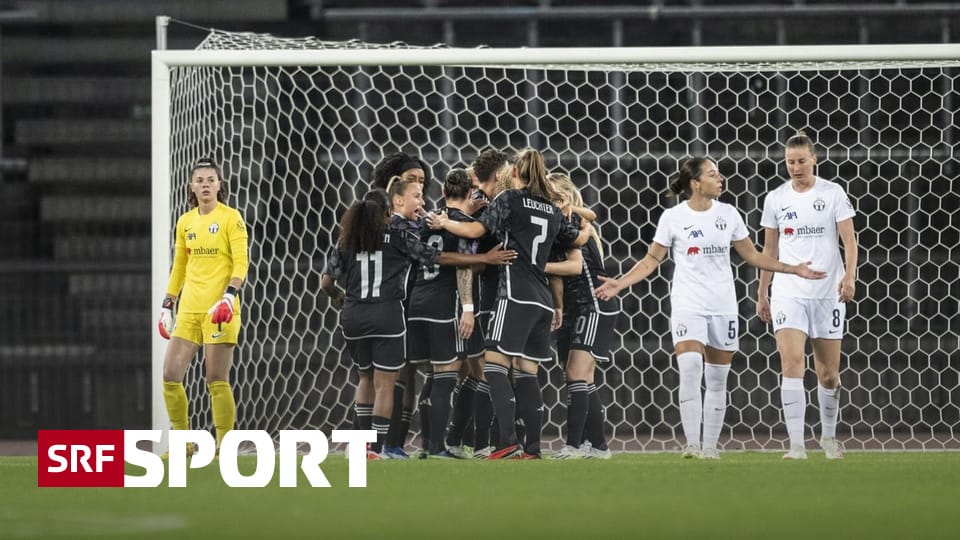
(209, 251)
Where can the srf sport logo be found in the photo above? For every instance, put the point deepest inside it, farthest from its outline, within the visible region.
(97, 458)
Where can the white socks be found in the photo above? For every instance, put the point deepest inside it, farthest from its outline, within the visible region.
(794, 405)
(690, 365)
(714, 403)
(829, 400)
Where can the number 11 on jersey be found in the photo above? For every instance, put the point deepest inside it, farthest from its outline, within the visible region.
(367, 289)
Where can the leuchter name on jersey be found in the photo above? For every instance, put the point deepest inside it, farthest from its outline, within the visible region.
(538, 206)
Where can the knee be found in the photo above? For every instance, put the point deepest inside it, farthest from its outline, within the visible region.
(173, 372)
(579, 372)
(829, 380)
(215, 377)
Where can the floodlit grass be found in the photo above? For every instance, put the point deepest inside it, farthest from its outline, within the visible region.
(745, 495)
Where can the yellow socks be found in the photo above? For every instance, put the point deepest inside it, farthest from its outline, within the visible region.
(175, 397)
(224, 408)
(221, 402)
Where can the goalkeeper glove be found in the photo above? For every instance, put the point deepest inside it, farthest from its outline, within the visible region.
(166, 318)
(222, 311)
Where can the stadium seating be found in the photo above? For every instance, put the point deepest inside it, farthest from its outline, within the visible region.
(74, 350)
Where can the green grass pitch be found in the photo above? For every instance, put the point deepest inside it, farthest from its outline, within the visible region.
(745, 495)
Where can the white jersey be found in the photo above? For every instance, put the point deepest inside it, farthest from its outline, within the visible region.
(700, 244)
(807, 223)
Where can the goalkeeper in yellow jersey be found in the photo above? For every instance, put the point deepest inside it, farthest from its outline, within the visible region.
(209, 267)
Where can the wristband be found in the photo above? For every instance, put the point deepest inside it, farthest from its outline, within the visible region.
(468, 308)
(167, 303)
(231, 290)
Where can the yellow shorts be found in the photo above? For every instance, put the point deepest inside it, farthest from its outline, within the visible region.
(196, 327)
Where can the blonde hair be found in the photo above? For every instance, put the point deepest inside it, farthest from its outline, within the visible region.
(564, 185)
(532, 172)
(562, 182)
(801, 140)
(398, 185)
(504, 178)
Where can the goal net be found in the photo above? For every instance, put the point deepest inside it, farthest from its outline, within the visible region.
(299, 124)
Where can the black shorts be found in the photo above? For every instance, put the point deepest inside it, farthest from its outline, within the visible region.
(376, 334)
(474, 346)
(374, 319)
(521, 330)
(435, 342)
(383, 353)
(593, 332)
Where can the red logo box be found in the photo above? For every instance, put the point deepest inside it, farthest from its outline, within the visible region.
(80, 458)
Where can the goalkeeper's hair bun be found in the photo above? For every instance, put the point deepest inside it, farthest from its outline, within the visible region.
(206, 163)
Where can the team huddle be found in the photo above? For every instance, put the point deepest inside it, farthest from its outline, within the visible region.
(508, 270)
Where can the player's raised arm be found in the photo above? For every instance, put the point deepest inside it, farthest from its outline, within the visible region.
(754, 258)
(463, 229)
(572, 266)
(641, 270)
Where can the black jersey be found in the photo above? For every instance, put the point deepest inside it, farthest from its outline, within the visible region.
(434, 294)
(485, 284)
(530, 226)
(400, 224)
(578, 290)
(381, 275)
(559, 254)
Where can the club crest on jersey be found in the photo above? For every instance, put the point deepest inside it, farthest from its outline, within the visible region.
(819, 205)
(720, 224)
(213, 228)
(681, 330)
(781, 317)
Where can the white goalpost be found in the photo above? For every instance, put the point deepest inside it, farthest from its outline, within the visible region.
(298, 125)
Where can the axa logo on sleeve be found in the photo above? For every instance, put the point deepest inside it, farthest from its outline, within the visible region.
(96, 458)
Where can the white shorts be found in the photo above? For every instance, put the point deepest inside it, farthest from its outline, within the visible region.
(717, 331)
(819, 318)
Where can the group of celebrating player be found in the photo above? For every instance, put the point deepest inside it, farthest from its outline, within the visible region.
(510, 261)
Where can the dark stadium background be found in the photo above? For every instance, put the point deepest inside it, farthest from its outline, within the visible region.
(76, 311)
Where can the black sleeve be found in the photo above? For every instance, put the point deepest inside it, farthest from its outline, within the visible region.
(334, 267)
(416, 250)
